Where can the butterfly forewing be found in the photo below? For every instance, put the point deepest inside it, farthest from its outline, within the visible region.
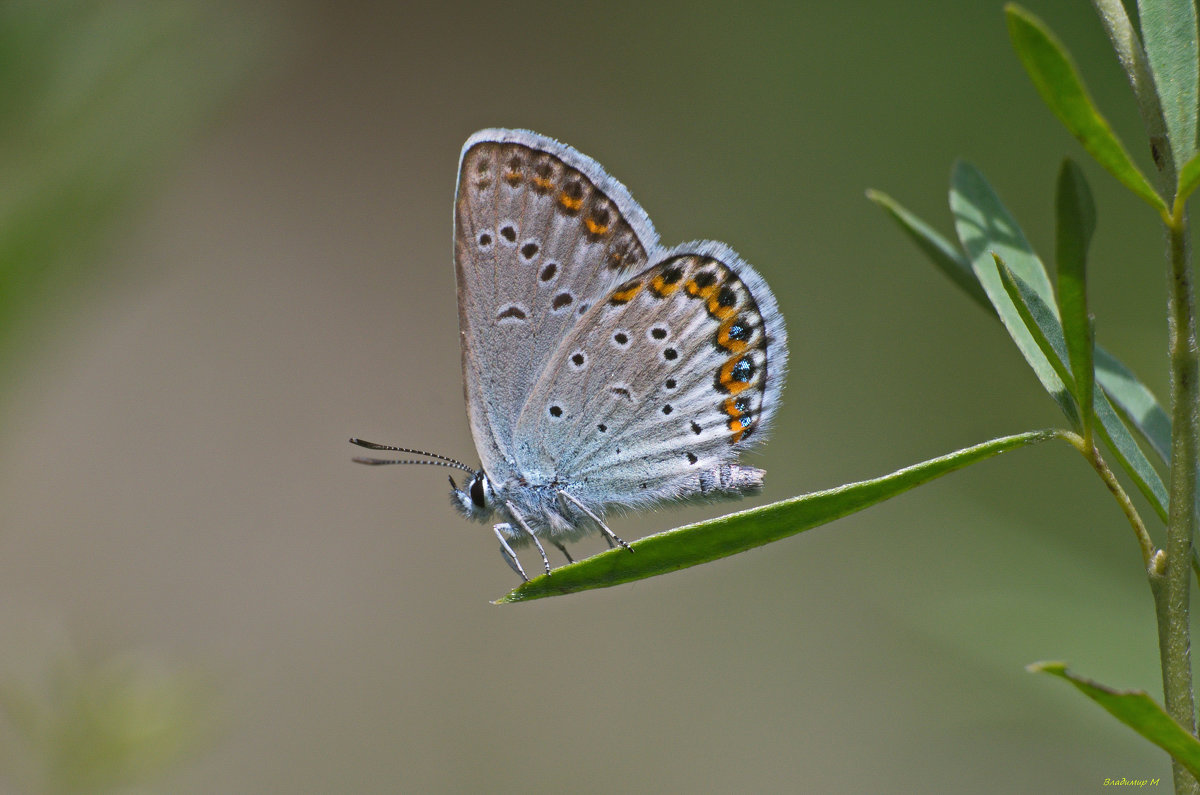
(542, 235)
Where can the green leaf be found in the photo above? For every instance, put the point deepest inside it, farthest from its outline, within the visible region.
(1136, 710)
(1169, 33)
(1057, 80)
(1076, 221)
(1189, 178)
(1039, 320)
(1129, 51)
(1131, 458)
(1134, 400)
(944, 254)
(987, 230)
(737, 532)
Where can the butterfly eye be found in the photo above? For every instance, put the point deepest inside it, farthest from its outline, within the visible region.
(478, 495)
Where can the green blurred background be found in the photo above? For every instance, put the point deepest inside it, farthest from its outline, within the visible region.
(226, 243)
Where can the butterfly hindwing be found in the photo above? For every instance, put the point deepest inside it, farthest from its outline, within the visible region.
(675, 372)
(541, 235)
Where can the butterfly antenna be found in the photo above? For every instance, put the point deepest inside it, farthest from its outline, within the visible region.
(442, 461)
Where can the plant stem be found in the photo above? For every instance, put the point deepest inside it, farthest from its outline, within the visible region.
(1171, 581)
(1088, 450)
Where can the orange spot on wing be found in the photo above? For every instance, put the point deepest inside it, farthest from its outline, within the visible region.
(595, 228)
(571, 204)
(625, 293)
(513, 178)
(736, 425)
(543, 183)
(727, 342)
(661, 287)
(728, 382)
(716, 310)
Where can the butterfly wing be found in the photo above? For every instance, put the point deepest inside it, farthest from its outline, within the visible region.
(664, 382)
(541, 235)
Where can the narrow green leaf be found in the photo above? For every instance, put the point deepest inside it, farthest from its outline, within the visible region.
(1189, 178)
(944, 254)
(1057, 80)
(1129, 455)
(1169, 32)
(1134, 400)
(1076, 221)
(1041, 323)
(986, 230)
(737, 532)
(1129, 51)
(1136, 710)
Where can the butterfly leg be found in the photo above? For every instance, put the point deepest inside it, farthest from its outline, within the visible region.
(506, 552)
(563, 550)
(609, 535)
(525, 526)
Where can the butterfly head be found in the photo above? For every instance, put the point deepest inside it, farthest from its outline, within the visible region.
(476, 499)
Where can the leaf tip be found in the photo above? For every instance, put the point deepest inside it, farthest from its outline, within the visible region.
(512, 597)
(1056, 667)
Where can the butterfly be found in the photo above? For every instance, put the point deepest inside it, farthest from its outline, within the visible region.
(602, 370)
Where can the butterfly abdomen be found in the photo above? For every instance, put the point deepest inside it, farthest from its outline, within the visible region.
(731, 480)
